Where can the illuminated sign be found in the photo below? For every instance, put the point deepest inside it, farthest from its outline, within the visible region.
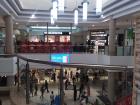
(61, 58)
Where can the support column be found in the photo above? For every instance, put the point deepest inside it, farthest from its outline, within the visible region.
(112, 36)
(111, 87)
(18, 74)
(136, 73)
(61, 87)
(9, 44)
(27, 83)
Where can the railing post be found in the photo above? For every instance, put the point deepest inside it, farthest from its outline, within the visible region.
(123, 50)
(27, 83)
(61, 87)
(126, 81)
(18, 73)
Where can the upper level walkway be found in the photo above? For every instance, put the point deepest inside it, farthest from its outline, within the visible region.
(45, 47)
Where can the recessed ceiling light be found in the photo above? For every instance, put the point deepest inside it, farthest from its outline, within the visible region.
(33, 16)
(93, 25)
(16, 23)
(102, 16)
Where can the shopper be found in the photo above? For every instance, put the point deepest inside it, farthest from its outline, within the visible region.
(65, 73)
(36, 89)
(73, 80)
(81, 90)
(46, 86)
(66, 84)
(103, 88)
(71, 74)
(54, 77)
(16, 79)
(52, 98)
(77, 76)
(86, 79)
(42, 90)
(31, 89)
(75, 92)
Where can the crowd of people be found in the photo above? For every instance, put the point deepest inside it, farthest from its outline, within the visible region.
(73, 79)
(43, 88)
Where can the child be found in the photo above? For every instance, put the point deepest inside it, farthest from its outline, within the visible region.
(52, 98)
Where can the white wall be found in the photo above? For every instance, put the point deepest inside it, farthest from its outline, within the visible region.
(122, 60)
(43, 57)
(8, 66)
(89, 59)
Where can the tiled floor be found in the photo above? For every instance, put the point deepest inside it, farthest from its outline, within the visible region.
(19, 98)
(6, 101)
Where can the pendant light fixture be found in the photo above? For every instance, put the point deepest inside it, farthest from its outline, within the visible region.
(61, 4)
(51, 16)
(85, 10)
(76, 17)
(98, 6)
(54, 9)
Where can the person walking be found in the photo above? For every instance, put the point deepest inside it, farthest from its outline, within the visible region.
(36, 89)
(66, 84)
(46, 86)
(75, 92)
(77, 76)
(73, 80)
(31, 89)
(81, 90)
(42, 90)
(54, 77)
(52, 98)
(103, 88)
(71, 74)
(16, 80)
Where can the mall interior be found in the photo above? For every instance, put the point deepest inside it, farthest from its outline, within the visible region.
(69, 52)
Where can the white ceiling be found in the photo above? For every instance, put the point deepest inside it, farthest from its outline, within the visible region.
(70, 5)
(42, 17)
(47, 4)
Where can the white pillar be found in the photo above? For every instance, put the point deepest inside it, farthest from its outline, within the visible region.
(111, 87)
(136, 74)
(9, 43)
(112, 37)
